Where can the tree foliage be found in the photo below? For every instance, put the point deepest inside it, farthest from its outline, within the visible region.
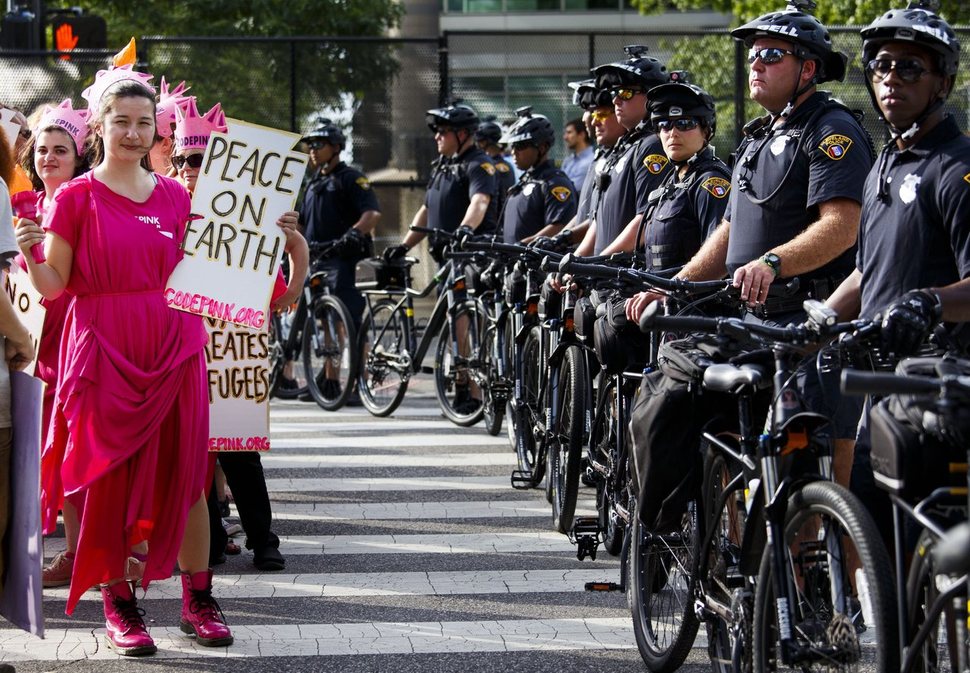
(252, 78)
(829, 12)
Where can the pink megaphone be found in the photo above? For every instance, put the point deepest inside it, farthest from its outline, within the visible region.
(25, 206)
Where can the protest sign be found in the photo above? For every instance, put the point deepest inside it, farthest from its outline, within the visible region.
(238, 377)
(21, 599)
(249, 177)
(26, 303)
(9, 126)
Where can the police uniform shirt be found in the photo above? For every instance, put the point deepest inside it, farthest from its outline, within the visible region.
(586, 203)
(504, 179)
(918, 236)
(833, 162)
(687, 212)
(544, 195)
(333, 203)
(634, 174)
(453, 183)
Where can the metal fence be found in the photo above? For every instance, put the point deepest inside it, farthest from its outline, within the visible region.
(379, 88)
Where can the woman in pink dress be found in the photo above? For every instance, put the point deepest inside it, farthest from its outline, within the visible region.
(54, 155)
(131, 408)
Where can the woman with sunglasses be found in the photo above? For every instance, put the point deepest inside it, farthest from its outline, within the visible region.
(54, 154)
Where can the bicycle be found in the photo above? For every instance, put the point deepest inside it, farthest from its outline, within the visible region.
(390, 351)
(766, 605)
(322, 334)
(932, 614)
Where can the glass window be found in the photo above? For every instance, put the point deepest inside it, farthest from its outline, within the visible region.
(532, 5)
(580, 5)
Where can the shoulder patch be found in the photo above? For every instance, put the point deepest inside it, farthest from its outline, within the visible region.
(718, 187)
(487, 167)
(835, 146)
(561, 193)
(363, 182)
(967, 177)
(502, 168)
(655, 162)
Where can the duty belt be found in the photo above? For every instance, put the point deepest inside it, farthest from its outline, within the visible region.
(818, 288)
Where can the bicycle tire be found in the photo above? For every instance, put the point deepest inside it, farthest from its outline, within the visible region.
(565, 450)
(660, 591)
(277, 361)
(381, 387)
(921, 592)
(718, 575)
(450, 369)
(817, 623)
(329, 351)
(494, 409)
(523, 415)
(603, 449)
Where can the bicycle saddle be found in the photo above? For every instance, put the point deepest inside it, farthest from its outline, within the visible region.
(726, 378)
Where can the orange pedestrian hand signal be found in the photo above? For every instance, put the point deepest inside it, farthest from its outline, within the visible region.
(65, 39)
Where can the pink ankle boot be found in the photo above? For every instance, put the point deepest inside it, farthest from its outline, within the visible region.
(126, 632)
(201, 615)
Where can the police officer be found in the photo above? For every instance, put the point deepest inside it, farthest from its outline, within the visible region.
(598, 105)
(487, 136)
(339, 205)
(796, 189)
(543, 196)
(690, 203)
(637, 164)
(461, 192)
(916, 202)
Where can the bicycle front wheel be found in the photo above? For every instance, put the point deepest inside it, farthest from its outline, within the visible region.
(843, 618)
(566, 448)
(329, 353)
(494, 402)
(523, 413)
(660, 591)
(456, 372)
(381, 378)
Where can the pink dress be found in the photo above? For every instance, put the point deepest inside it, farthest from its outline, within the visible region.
(131, 410)
(51, 489)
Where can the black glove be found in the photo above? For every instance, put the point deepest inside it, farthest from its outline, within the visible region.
(394, 252)
(463, 234)
(907, 322)
(352, 245)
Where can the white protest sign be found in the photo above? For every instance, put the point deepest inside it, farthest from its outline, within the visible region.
(26, 303)
(249, 177)
(238, 377)
(11, 129)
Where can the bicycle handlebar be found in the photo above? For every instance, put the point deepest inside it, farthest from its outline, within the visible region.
(855, 382)
(590, 269)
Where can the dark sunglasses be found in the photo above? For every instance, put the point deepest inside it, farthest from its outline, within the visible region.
(316, 144)
(193, 161)
(768, 55)
(682, 124)
(624, 93)
(909, 70)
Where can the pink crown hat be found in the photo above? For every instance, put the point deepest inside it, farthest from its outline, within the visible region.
(74, 122)
(168, 101)
(192, 131)
(105, 79)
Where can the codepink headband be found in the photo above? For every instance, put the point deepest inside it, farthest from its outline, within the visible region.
(74, 122)
(192, 131)
(168, 101)
(105, 79)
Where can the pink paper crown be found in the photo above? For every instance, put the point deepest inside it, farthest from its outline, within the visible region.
(74, 122)
(168, 101)
(105, 79)
(192, 131)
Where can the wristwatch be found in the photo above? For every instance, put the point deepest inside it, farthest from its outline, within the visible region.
(773, 261)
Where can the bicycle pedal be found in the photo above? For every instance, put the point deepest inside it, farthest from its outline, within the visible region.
(427, 369)
(603, 586)
(522, 480)
(585, 534)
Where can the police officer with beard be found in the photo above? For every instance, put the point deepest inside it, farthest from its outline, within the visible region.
(543, 197)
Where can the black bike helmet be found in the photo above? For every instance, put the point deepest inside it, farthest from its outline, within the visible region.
(794, 24)
(325, 129)
(455, 115)
(917, 24)
(637, 70)
(488, 131)
(535, 129)
(677, 99)
(588, 97)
